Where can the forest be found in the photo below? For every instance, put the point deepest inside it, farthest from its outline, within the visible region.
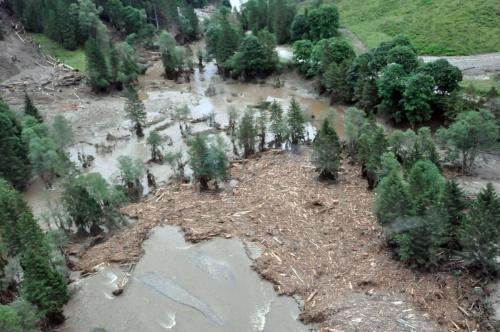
(411, 129)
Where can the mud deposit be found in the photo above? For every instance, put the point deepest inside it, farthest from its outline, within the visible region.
(183, 287)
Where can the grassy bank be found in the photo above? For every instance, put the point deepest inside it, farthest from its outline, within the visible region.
(75, 59)
(436, 27)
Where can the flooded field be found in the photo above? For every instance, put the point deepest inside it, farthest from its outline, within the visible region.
(183, 287)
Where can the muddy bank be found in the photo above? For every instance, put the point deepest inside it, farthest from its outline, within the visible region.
(319, 241)
(183, 287)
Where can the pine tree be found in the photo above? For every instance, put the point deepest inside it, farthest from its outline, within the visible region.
(247, 132)
(426, 186)
(296, 122)
(326, 151)
(154, 140)
(393, 200)
(134, 107)
(97, 69)
(480, 233)
(30, 108)
(261, 127)
(14, 151)
(131, 173)
(371, 146)
(278, 124)
(454, 203)
(354, 121)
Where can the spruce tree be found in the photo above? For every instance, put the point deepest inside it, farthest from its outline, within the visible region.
(30, 108)
(14, 166)
(326, 151)
(354, 120)
(426, 186)
(247, 133)
(261, 127)
(480, 233)
(154, 140)
(371, 146)
(296, 122)
(134, 108)
(278, 124)
(393, 201)
(454, 203)
(97, 69)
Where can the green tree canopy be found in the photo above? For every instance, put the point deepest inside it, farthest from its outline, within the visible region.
(326, 151)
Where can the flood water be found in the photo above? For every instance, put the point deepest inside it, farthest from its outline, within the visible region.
(178, 286)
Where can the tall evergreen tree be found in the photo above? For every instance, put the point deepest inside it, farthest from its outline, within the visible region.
(30, 108)
(278, 124)
(97, 69)
(247, 132)
(296, 122)
(426, 186)
(480, 233)
(326, 151)
(134, 108)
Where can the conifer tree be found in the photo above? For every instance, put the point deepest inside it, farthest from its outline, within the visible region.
(30, 108)
(278, 124)
(134, 107)
(97, 69)
(454, 204)
(14, 151)
(371, 146)
(480, 233)
(131, 173)
(426, 186)
(354, 120)
(296, 122)
(261, 127)
(326, 151)
(154, 140)
(393, 199)
(247, 132)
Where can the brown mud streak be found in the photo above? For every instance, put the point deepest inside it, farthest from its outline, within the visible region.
(321, 240)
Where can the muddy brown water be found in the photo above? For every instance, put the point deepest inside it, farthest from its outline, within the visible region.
(160, 100)
(178, 286)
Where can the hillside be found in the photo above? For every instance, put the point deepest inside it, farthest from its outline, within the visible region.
(438, 27)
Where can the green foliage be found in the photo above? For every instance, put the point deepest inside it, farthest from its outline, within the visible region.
(90, 201)
(61, 132)
(302, 50)
(327, 51)
(296, 122)
(97, 69)
(417, 98)
(47, 159)
(173, 57)
(13, 149)
(390, 88)
(299, 28)
(480, 233)
(208, 159)
(134, 108)
(222, 39)
(426, 186)
(278, 124)
(354, 120)
(323, 22)
(446, 76)
(9, 319)
(131, 173)
(454, 203)
(247, 132)
(404, 56)
(326, 151)
(30, 108)
(154, 140)
(393, 200)
(73, 58)
(254, 56)
(471, 132)
(372, 144)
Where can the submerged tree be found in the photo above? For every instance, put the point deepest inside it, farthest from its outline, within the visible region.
(468, 134)
(326, 151)
(278, 124)
(247, 132)
(296, 122)
(131, 174)
(154, 140)
(208, 160)
(134, 107)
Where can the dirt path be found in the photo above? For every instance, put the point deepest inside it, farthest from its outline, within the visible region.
(320, 242)
(358, 45)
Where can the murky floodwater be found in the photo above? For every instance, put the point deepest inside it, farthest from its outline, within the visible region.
(183, 287)
(160, 100)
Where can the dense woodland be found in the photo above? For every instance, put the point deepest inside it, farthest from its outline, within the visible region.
(427, 218)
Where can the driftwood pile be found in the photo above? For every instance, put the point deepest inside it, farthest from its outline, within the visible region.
(320, 241)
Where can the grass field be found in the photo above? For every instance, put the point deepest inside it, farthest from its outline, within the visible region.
(482, 86)
(75, 59)
(437, 27)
